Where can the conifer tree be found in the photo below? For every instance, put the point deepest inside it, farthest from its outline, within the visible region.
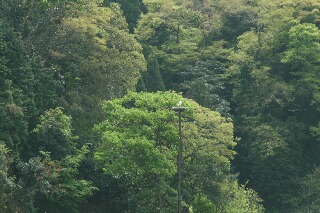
(153, 77)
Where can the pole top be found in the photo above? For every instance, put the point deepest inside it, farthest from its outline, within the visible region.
(179, 109)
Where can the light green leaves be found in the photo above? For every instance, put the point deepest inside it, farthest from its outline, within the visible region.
(138, 143)
(304, 44)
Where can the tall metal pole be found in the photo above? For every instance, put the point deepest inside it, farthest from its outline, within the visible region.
(179, 109)
(179, 166)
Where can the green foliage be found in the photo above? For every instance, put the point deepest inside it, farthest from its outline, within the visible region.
(307, 199)
(54, 135)
(273, 101)
(131, 10)
(140, 87)
(256, 62)
(6, 182)
(204, 83)
(97, 59)
(88, 42)
(50, 186)
(71, 190)
(171, 33)
(153, 78)
(15, 101)
(202, 204)
(46, 86)
(238, 16)
(304, 46)
(34, 178)
(132, 147)
(62, 159)
(315, 131)
(137, 139)
(241, 199)
(138, 144)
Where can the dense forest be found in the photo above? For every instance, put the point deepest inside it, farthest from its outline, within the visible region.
(86, 95)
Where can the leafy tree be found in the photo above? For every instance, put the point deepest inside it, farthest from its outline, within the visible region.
(97, 59)
(238, 16)
(180, 35)
(131, 10)
(54, 134)
(169, 32)
(254, 61)
(131, 144)
(241, 199)
(303, 45)
(204, 83)
(45, 185)
(15, 101)
(46, 88)
(271, 103)
(138, 145)
(302, 57)
(7, 183)
(55, 140)
(307, 199)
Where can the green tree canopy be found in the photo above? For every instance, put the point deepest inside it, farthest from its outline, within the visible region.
(139, 145)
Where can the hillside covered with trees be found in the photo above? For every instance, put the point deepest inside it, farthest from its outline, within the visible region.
(87, 87)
